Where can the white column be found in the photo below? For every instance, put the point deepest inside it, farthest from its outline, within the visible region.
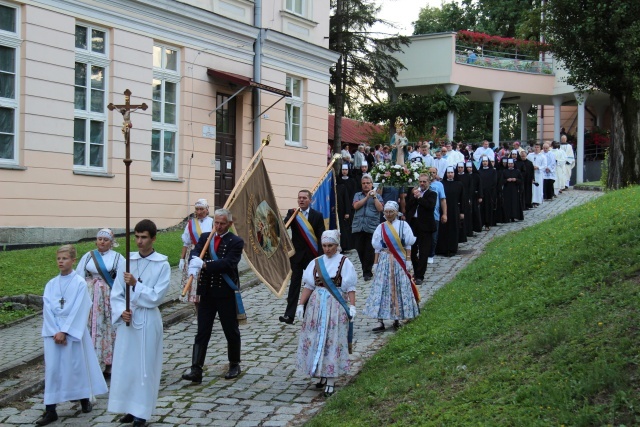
(582, 100)
(524, 110)
(496, 96)
(451, 90)
(557, 103)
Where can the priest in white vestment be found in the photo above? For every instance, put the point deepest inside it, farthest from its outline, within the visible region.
(561, 159)
(137, 357)
(539, 161)
(485, 150)
(570, 163)
(72, 371)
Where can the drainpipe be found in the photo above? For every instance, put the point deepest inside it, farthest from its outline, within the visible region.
(257, 74)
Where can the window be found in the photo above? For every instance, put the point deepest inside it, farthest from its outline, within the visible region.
(90, 118)
(9, 53)
(293, 112)
(296, 6)
(164, 111)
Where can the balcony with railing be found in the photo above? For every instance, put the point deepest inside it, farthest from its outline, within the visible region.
(502, 53)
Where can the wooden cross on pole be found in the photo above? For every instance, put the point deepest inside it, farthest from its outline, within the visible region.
(126, 109)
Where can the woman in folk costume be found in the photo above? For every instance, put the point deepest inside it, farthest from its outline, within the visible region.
(330, 289)
(391, 296)
(99, 268)
(200, 223)
(71, 368)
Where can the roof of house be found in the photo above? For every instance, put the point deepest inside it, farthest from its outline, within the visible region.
(354, 131)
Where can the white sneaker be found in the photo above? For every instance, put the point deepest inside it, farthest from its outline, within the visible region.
(430, 260)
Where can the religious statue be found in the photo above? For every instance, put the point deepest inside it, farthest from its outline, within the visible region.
(399, 141)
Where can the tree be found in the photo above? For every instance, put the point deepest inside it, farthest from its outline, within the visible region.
(599, 43)
(449, 17)
(366, 66)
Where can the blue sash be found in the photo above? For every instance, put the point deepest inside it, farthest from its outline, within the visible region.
(102, 269)
(333, 290)
(242, 316)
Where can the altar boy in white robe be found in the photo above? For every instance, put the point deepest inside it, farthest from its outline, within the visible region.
(539, 160)
(137, 357)
(72, 371)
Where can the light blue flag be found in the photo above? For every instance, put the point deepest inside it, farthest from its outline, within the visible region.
(324, 201)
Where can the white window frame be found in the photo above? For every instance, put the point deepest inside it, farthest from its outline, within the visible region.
(304, 7)
(166, 75)
(295, 101)
(91, 59)
(11, 39)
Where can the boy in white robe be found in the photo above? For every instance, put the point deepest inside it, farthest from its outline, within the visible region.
(72, 371)
(137, 356)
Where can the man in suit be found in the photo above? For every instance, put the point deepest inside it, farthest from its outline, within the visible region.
(216, 296)
(306, 235)
(420, 206)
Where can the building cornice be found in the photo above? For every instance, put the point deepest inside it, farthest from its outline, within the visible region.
(166, 20)
(298, 56)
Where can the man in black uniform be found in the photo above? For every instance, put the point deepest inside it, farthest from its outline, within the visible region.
(216, 296)
(420, 206)
(306, 235)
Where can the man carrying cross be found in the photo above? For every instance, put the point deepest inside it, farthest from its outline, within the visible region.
(137, 356)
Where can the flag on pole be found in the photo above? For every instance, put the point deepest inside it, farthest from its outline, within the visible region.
(324, 201)
(267, 244)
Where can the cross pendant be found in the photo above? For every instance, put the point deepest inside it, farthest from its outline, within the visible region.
(62, 301)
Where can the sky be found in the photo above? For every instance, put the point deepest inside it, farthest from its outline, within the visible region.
(403, 13)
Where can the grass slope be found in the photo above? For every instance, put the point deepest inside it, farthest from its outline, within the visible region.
(541, 330)
(28, 271)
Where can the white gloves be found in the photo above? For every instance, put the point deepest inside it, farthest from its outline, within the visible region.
(194, 266)
(181, 264)
(374, 267)
(409, 265)
(300, 311)
(352, 312)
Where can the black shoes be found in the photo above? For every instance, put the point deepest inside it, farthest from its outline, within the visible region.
(234, 371)
(286, 319)
(379, 328)
(47, 418)
(328, 390)
(139, 422)
(126, 419)
(419, 281)
(367, 277)
(195, 376)
(322, 382)
(87, 406)
(199, 353)
(396, 324)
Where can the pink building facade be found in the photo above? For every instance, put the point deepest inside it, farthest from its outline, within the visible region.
(218, 77)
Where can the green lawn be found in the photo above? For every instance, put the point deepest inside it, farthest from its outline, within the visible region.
(541, 330)
(28, 271)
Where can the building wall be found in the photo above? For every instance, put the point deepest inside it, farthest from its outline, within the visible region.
(42, 189)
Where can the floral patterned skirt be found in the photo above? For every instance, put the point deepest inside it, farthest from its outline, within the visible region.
(323, 350)
(390, 296)
(191, 295)
(103, 333)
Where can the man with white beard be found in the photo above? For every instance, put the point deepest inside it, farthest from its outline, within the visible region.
(539, 161)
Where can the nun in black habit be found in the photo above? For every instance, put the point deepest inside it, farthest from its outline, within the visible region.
(489, 182)
(345, 190)
(511, 181)
(467, 226)
(476, 197)
(448, 233)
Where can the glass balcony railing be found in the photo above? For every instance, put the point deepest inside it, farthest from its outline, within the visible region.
(502, 60)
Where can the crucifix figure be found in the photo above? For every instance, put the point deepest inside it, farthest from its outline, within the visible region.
(62, 301)
(126, 109)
